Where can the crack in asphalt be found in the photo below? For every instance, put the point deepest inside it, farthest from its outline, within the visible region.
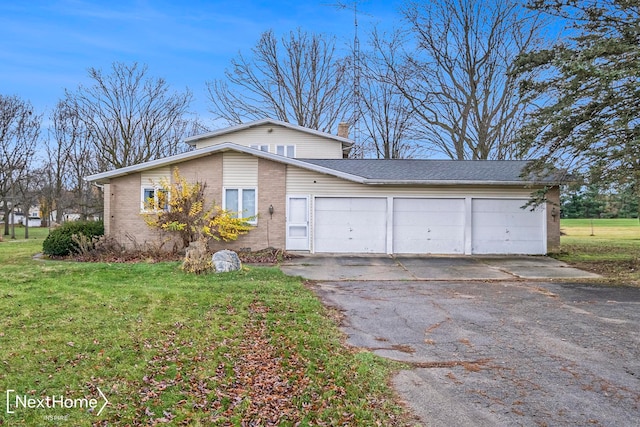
(502, 353)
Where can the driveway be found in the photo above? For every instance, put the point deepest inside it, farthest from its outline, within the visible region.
(414, 267)
(499, 352)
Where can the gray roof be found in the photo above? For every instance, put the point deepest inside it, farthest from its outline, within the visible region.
(365, 171)
(432, 171)
(346, 142)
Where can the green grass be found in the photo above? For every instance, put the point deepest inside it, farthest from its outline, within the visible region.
(610, 247)
(165, 346)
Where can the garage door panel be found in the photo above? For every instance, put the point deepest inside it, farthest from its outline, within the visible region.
(433, 226)
(500, 205)
(501, 226)
(425, 204)
(355, 225)
(497, 233)
(443, 219)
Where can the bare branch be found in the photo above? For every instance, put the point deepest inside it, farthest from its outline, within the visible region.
(458, 77)
(298, 79)
(129, 117)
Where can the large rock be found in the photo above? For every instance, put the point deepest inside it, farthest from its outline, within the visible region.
(225, 261)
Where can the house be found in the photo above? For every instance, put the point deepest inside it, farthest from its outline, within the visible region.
(18, 216)
(306, 196)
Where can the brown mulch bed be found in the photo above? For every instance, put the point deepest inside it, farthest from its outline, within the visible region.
(270, 256)
(267, 256)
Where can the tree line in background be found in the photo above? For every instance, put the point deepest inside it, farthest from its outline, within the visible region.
(463, 79)
(593, 201)
(123, 118)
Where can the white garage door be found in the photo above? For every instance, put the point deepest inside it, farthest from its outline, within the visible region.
(428, 226)
(345, 225)
(501, 227)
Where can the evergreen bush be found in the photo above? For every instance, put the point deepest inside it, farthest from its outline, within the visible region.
(60, 242)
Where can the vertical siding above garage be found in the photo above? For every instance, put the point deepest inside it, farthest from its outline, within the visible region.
(239, 170)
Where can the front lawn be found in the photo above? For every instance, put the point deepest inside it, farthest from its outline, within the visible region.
(253, 347)
(610, 247)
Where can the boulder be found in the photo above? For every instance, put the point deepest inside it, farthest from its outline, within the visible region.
(225, 261)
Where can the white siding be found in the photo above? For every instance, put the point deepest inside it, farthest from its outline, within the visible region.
(239, 170)
(154, 177)
(307, 145)
(302, 181)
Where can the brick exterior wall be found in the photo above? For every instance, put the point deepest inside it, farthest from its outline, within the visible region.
(553, 221)
(124, 222)
(122, 213)
(270, 230)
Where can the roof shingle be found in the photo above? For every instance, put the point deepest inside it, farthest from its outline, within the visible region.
(428, 170)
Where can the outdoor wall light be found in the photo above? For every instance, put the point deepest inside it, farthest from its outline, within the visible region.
(554, 213)
(271, 210)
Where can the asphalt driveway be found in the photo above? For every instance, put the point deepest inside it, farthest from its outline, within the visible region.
(493, 351)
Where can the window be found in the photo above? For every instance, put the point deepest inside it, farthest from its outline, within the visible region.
(154, 199)
(260, 147)
(241, 200)
(286, 150)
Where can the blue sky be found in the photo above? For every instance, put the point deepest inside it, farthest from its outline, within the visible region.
(47, 46)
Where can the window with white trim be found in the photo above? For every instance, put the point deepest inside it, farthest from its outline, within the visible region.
(154, 199)
(260, 147)
(243, 201)
(286, 150)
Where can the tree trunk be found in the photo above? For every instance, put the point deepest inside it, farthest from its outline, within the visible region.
(6, 218)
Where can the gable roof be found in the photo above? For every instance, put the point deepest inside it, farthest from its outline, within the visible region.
(346, 143)
(407, 171)
(104, 177)
(364, 171)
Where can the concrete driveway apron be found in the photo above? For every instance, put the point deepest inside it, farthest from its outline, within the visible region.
(412, 267)
(500, 350)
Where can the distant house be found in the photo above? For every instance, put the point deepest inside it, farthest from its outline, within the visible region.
(18, 217)
(308, 197)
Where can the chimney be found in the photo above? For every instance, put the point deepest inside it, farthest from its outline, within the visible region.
(343, 130)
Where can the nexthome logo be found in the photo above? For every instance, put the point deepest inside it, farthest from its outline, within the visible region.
(16, 402)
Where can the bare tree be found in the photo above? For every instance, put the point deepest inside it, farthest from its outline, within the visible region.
(28, 190)
(458, 77)
(70, 157)
(299, 80)
(130, 117)
(63, 134)
(19, 131)
(387, 116)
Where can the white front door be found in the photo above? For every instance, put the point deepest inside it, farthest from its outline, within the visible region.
(298, 223)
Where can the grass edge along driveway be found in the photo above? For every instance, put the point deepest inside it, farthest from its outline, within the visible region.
(253, 346)
(609, 247)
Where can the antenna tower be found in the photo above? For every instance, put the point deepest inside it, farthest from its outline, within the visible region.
(357, 111)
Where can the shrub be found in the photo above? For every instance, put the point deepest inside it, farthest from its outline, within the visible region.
(60, 241)
(197, 259)
(187, 213)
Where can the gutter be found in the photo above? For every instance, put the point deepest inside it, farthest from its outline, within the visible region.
(369, 181)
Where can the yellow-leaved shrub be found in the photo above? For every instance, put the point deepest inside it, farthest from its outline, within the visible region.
(186, 213)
